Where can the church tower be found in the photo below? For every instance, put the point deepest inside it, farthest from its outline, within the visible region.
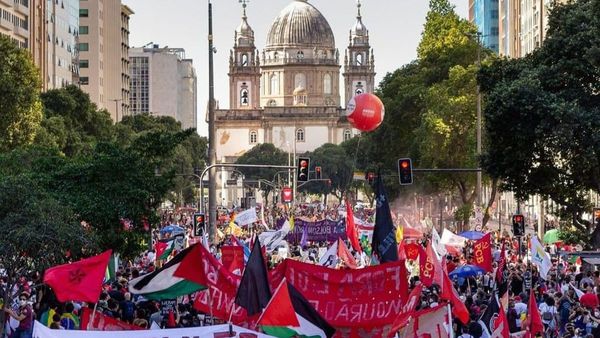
(359, 62)
(244, 68)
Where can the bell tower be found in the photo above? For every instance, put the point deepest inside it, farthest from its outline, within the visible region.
(359, 61)
(244, 67)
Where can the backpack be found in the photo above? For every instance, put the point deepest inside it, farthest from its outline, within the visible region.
(547, 315)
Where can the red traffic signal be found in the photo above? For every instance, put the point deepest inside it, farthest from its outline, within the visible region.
(199, 224)
(318, 173)
(518, 221)
(302, 168)
(405, 171)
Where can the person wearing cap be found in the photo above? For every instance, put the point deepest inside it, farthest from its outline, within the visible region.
(24, 316)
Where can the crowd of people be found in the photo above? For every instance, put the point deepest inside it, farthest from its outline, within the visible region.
(568, 300)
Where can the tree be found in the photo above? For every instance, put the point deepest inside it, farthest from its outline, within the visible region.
(38, 231)
(20, 107)
(335, 166)
(265, 153)
(543, 115)
(73, 122)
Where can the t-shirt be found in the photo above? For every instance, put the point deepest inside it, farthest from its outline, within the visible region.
(546, 308)
(26, 323)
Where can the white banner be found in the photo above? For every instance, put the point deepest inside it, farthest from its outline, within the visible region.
(246, 217)
(540, 257)
(216, 331)
(449, 238)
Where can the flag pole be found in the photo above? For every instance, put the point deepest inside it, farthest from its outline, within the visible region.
(450, 328)
(90, 323)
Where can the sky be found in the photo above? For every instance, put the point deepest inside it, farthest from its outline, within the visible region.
(395, 28)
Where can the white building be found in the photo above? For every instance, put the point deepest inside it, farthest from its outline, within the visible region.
(163, 83)
(289, 94)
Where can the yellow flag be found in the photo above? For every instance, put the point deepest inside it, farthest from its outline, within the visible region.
(399, 233)
(291, 222)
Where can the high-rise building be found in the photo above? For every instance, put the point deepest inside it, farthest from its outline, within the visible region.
(103, 54)
(14, 21)
(163, 83)
(484, 14)
(62, 26)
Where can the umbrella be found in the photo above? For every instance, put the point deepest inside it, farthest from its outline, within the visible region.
(172, 228)
(466, 271)
(551, 236)
(472, 235)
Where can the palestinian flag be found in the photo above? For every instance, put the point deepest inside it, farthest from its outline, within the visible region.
(289, 314)
(165, 247)
(163, 284)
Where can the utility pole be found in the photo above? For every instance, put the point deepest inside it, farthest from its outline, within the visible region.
(478, 187)
(212, 135)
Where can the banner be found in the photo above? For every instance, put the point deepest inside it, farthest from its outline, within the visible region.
(103, 323)
(449, 238)
(246, 217)
(233, 258)
(482, 252)
(361, 302)
(215, 331)
(320, 231)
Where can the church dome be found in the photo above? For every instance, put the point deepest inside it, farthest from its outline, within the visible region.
(300, 24)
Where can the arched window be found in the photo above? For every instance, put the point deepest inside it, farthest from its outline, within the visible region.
(274, 84)
(275, 56)
(244, 99)
(327, 84)
(359, 59)
(300, 81)
(244, 60)
(253, 137)
(300, 135)
(347, 134)
(300, 55)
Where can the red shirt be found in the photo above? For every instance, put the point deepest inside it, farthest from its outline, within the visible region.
(589, 300)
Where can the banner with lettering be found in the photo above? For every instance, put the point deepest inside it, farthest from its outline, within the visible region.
(482, 253)
(103, 323)
(319, 231)
(215, 331)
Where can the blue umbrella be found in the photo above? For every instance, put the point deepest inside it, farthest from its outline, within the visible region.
(172, 228)
(472, 235)
(466, 271)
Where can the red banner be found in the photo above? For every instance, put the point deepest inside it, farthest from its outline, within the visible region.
(363, 302)
(103, 322)
(233, 258)
(427, 269)
(482, 252)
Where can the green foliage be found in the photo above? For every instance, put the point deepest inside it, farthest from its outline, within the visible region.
(20, 107)
(335, 165)
(265, 153)
(543, 114)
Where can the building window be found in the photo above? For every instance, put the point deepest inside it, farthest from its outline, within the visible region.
(347, 134)
(359, 59)
(300, 80)
(327, 84)
(84, 47)
(300, 135)
(84, 80)
(274, 84)
(253, 137)
(83, 13)
(244, 60)
(84, 64)
(244, 99)
(84, 30)
(300, 55)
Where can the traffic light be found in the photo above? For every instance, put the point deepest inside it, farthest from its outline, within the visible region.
(405, 171)
(199, 223)
(303, 165)
(597, 216)
(370, 177)
(518, 222)
(318, 173)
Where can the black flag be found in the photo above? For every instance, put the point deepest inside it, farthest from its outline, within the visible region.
(384, 238)
(254, 293)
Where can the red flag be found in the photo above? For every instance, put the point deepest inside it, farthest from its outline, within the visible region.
(408, 309)
(501, 325)
(426, 268)
(403, 282)
(482, 251)
(501, 264)
(411, 250)
(79, 281)
(535, 319)
(431, 269)
(351, 228)
(160, 248)
(459, 309)
(103, 322)
(345, 255)
(233, 258)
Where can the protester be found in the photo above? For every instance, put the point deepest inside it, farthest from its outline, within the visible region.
(24, 315)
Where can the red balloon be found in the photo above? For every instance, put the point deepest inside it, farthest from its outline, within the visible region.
(365, 112)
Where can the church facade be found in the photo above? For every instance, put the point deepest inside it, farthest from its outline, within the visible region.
(288, 94)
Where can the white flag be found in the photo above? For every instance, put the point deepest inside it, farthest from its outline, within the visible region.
(330, 258)
(273, 239)
(246, 217)
(438, 247)
(540, 257)
(450, 238)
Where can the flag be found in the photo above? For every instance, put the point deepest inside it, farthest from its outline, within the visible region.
(292, 222)
(232, 258)
(535, 319)
(79, 281)
(425, 268)
(430, 268)
(111, 269)
(289, 314)
(459, 309)
(345, 255)
(449, 238)
(164, 283)
(253, 294)
(501, 325)
(482, 252)
(384, 239)
(399, 233)
(304, 239)
(439, 248)
(351, 231)
(165, 247)
(540, 257)
(246, 217)
(408, 308)
(488, 319)
(330, 258)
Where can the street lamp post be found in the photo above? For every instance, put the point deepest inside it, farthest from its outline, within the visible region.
(212, 135)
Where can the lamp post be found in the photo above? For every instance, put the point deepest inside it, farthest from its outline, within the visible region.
(212, 135)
